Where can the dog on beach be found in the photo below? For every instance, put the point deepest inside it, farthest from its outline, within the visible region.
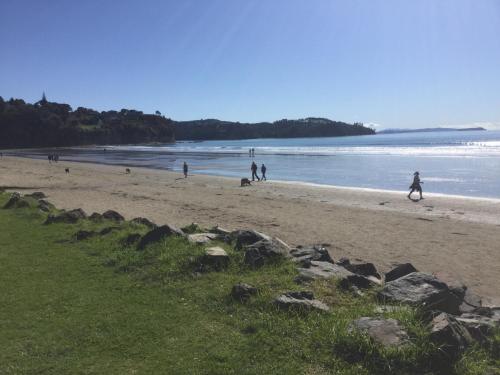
(245, 182)
(127, 170)
(67, 170)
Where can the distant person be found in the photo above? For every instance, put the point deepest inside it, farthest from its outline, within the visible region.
(253, 152)
(250, 152)
(263, 170)
(416, 185)
(185, 169)
(254, 171)
(50, 158)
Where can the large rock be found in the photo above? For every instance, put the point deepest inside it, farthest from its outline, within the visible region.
(421, 289)
(471, 302)
(301, 301)
(201, 238)
(387, 332)
(69, 217)
(304, 254)
(15, 201)
(45, 206)
(112, 215)
(243, 292)
(447, 332)
(158, 234)
(248, 237)
(265, 251)
(363, 269)
(399, 271)
(479, 326)
(322, 270)
(215, 257)
(144, 221)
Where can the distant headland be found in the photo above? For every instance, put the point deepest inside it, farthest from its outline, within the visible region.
(428, 130)
(50, 124)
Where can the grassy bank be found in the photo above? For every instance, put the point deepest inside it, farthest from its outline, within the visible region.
(99, 306)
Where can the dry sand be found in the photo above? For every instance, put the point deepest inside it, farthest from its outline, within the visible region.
(460, 236)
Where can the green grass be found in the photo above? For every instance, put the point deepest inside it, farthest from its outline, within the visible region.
(100, 307)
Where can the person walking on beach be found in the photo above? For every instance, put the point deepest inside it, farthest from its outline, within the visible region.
(416, 185)
(250, 152)
(253, 152)
(263, 170)
(185, 169)
(254, 171)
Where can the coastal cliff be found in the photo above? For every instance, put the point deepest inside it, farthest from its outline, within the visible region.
(49, 124)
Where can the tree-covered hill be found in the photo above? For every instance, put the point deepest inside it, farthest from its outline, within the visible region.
(308, 127)
(48, 124)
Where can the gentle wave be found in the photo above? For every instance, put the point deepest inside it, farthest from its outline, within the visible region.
(474, 149)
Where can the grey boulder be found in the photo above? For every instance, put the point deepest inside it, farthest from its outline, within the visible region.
(322, 270)
(303, 254)
(301, 301)
(112, 215)
(265, 251)
(215, 257)
(399, 271)
(423, 290)
(70, 217)
(201, 238)
(387, 332)
(248, 237)
(158, 234)
(452, 336)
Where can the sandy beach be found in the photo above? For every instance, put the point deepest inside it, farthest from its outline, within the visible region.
(456, 235)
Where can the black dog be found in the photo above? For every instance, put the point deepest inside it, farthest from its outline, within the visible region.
(67, 170)
(245, 182)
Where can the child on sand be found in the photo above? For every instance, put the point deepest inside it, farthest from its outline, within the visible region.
(416, 185)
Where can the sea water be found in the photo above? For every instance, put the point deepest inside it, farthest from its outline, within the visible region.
(449, 162)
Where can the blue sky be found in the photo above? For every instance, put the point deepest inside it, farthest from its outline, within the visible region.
(393, 63)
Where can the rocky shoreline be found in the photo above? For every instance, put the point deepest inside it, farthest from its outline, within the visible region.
(455, 315)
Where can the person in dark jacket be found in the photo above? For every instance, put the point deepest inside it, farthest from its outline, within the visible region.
(263, 170)
(416, 185)
(185, 169)
(254, 171)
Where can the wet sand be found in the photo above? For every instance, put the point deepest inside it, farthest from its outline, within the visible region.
(458, 235)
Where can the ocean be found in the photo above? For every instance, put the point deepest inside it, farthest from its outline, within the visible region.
(450, 162)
